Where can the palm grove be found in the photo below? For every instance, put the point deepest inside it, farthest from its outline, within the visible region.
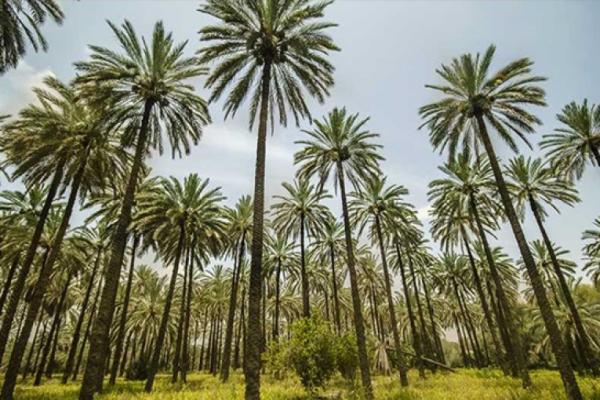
(77, 302)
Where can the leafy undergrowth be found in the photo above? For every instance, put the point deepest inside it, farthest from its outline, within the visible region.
(465, 385)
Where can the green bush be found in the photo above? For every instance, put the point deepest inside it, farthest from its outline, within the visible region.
(277, 359)
(346, 351)
(312, 352)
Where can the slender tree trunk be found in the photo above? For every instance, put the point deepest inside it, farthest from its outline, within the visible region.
(558, 346)
(19, 285)
(162, 331)
(305, 288)
(188, 312)
(9, 277)
(336, 301)
(231, 310)
(52, 357)
(123, 361)
(277, 297)
(253, 342)
(356, 304)
(587, 354)
(99, 339)
(48, 346)
(469, 327)
(436, 335)
(177, 356)
(203, 343)
(411, 316)
(27, 367)
(424, 335)
(484, 304)
(123, 318)
(87, 331)
(514, 348)
(392, 309)
(241, 332)
(82, 312)
(461, 341)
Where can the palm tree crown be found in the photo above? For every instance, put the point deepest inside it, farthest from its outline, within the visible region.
(577, 141)
(282, 35)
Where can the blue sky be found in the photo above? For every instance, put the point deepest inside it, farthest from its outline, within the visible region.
(390, 50)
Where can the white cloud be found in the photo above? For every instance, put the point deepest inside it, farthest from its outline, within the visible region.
(423, 213)
(16, 85)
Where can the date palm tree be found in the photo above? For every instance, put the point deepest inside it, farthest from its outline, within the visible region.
(340, 147)
(273, 51)
(328, 245)
(21, 21)
(577, 142)
(592, 252)
(374, 202)
(473, 101)
(239, 230)
(146, 86)
(535, 184)
(299, 214)
(176, 216)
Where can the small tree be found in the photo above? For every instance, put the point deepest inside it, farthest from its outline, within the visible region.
(312, 352)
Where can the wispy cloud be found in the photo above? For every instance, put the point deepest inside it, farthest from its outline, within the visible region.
(16, 87)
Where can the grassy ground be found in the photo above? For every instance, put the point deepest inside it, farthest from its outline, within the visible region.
(465, 385)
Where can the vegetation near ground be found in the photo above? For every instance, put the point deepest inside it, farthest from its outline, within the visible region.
(331, 289)
(467, 384)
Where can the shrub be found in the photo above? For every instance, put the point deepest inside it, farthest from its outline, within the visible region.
(312, 352)
(277, 359)
(346, 352)
(137, 371)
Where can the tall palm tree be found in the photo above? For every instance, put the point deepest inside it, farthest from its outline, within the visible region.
(173, 215)
(145, 84)
(239, 229)
(473, 100)
(535, 184)
(368, 206)
(21, 21)
(340, 145)
(297, 214)
(273, 51)
(577, 142)
(327, 245)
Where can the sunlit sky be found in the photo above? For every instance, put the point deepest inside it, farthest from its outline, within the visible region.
(390, 50)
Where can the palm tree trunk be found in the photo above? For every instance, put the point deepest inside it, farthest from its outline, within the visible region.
(305, 288)
(253, 341)
(411, 316)
(162, 330)
(356, 304)
(484, 304)
(463, 351)
(82, 312)
(179, 340)
(123, 317)
(513, 340)
(9, 277)
(392, 309)
(32, 347)
(188, 312)
(470, 328)
(48, 346)
(88, 328)
(231, 310)
(241, 333)
(558, 346)
(436, 336)
(52, 357)
(336, 300)
(17, 290)
(99, 339)
(277, 297)
(424, 334)
(203, 342)
(587, 354)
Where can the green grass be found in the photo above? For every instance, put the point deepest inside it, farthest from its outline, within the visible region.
(465, 385)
